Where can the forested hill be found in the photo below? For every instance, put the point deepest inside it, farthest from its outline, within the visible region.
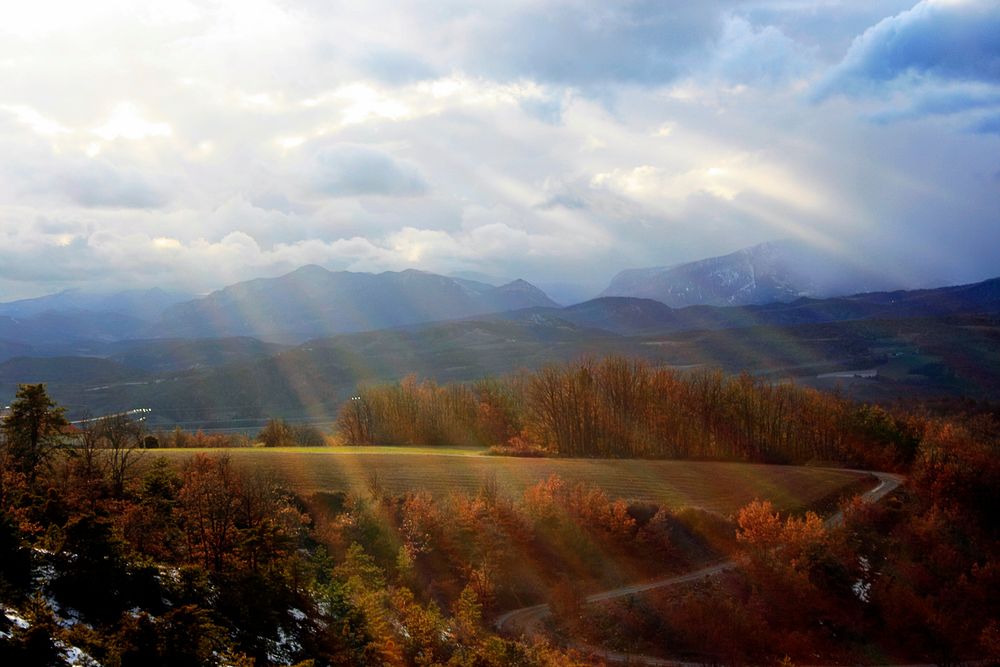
(630, 315)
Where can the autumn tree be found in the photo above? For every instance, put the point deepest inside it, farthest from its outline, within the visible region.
(209, 504)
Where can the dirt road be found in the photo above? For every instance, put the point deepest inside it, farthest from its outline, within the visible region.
(526, 621)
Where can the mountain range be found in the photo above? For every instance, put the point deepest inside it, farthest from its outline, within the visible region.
(303, 304)
(928, 342)
(297, 344)
(313, 301)
(630, 316)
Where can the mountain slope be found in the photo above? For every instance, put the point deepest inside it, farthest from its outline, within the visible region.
(167, 355)
(69, 325)
(64, 370)
(312, 301)
(778, 271)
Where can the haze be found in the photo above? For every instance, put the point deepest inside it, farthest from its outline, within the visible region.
(194, 144)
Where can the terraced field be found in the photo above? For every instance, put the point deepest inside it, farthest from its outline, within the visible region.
(721, 487)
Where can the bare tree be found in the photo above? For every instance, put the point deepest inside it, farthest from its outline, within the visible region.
(121, 437)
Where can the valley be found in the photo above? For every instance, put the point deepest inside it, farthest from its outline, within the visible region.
(921, 344)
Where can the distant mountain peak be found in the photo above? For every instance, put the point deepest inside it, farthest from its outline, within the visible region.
(774, 271)
(309, 269)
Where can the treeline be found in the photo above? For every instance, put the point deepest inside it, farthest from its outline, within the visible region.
(624, 408)
(275, 433)
(488, 412)
(179, 438)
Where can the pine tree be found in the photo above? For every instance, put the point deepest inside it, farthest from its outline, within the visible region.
(33, 428)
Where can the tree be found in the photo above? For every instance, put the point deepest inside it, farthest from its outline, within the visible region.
(276, 433)
(123, 438)
(355, 422)
(33, 428)
(209, 507)
(280, 433)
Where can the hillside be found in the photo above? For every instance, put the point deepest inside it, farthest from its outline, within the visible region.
(634, 316)
(53, 327)
(161, 356)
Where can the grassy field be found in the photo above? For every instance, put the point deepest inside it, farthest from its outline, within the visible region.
(721, 487)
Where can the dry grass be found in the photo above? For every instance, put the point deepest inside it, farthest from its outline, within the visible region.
(720, 487)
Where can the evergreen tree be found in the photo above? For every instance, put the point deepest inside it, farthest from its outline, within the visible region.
(33, 428)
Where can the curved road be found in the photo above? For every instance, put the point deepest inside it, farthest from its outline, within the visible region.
(527, 619)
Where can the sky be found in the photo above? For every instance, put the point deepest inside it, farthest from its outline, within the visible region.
(191, 144)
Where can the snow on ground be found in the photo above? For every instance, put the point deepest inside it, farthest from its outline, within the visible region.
(15, 619)
(76, 657)
(72, 656)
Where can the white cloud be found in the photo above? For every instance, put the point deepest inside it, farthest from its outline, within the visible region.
(37, 122)
(126, 122)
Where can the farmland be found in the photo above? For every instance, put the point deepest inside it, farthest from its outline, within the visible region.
(719, 487)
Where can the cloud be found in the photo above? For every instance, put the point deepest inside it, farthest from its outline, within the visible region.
(583, 44)
(549, 139)
(987, 125)
(98, 183)
(746, 54)
(942, 101)
(940, 39)
(396, 67)
(353, 170)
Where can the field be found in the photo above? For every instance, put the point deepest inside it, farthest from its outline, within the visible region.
(720, 487)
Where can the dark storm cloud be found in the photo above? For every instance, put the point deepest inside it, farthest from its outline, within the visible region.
(943, 40)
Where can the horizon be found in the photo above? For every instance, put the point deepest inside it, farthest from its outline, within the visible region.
(196, 146)
(495, 282)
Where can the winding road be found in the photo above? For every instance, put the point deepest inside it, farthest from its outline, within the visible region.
(526, 621)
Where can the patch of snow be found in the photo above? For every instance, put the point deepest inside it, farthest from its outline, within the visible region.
(284, 650)
(18, 621)
(76, 657)
(862, 589)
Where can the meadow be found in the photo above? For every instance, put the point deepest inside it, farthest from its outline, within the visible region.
(714, 486)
